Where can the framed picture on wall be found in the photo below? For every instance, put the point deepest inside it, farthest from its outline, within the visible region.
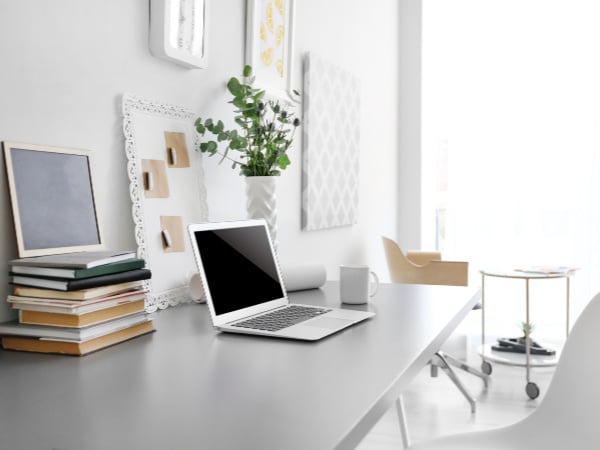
(52, 199)
(179, 31)
(269, 44)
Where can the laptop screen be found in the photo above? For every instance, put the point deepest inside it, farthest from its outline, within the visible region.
(239, 267)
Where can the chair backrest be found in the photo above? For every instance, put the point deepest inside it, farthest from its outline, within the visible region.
(403, 270)
(573, 397)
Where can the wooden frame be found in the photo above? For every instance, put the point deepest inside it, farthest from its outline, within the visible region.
(269, 45)
(52, 199)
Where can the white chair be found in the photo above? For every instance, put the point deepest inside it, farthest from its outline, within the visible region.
(567, 417)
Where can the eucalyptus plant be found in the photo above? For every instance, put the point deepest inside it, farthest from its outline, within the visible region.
(266, 131)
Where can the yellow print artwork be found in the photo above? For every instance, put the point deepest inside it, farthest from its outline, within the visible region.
(272, 34)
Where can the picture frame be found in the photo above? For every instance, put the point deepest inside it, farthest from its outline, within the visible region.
(63, 219)
(335, 203)
(160, 139)
(179, 31)
(269, 46)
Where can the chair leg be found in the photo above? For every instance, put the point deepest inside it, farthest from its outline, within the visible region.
(440, 360)
(402, 422)
(461, 365)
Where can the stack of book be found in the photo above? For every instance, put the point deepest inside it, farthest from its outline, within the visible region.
(76, 303)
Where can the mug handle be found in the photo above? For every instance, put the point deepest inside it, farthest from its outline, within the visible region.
(376, 285)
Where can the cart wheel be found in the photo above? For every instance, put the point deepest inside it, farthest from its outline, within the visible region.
(532, 389)
(486, 367)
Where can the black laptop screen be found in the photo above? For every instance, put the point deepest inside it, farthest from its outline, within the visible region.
(239, 266)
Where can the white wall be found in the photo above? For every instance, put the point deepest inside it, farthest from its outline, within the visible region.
(66, 63)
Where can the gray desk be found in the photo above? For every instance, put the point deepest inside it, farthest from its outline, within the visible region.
(188, 387)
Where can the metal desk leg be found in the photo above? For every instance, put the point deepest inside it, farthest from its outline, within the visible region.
(402, 422)
(568, 302)
(482, 317)
(527, 349)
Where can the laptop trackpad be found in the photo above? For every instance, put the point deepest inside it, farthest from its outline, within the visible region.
(328, 322)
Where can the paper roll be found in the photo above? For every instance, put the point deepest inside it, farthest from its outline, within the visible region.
(307, 276)
(195, 285)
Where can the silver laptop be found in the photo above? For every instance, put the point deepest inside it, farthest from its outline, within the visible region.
(244, 290)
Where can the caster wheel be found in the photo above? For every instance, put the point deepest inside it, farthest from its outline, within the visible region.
(486, 367)
(532, 389)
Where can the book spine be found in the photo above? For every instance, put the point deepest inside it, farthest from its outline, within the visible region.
(105, 280)
(83, 283)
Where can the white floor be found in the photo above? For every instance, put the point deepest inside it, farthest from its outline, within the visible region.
(434, 406)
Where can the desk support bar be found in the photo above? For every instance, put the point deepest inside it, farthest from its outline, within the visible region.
(402, 422)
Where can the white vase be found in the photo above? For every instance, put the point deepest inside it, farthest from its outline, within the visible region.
(261, 202)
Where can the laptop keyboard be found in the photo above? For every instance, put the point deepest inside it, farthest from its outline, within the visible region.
(281, 318)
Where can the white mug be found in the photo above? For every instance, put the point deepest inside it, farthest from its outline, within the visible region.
(354, 284)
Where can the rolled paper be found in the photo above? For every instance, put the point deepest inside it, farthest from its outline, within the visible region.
(306, 276)
(195, 285)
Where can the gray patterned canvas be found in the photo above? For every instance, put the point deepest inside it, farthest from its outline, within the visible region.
(330, 160)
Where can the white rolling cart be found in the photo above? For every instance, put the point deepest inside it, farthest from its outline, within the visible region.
(487, 355)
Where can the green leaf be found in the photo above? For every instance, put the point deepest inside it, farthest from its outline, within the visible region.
(222, 137)
(211, 147)
(200, 128)
(208, 123)
(198, 122)
(233, 85)
(219, 127)
(284, 161)
(247, 71)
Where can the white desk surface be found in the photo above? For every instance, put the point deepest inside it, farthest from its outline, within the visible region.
(189, 387)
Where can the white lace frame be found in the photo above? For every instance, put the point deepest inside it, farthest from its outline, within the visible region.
(164, 289)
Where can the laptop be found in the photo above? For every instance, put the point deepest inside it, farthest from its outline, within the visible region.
(244, 289)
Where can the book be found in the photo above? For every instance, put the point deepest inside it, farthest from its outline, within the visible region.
(33, 344)
(82, 294)
(70, 273)
(14, 328)
(73, 306)
(76, 260)
(82, 283)
(81, 320)
(549, 270)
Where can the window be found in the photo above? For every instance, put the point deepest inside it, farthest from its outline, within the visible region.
(511, 135)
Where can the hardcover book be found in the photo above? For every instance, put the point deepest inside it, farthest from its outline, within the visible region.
(77, 260)
(70, 273)
(83, 283)
(33, 344)
(14, 328)
(82, 294)
(64, 306)
(80, 320)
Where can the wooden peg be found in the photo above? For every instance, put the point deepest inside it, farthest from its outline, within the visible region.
(166, 238)
(173, 156)
(149, 181)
